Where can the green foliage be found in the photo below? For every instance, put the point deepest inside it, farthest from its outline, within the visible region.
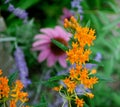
(43, 102)
(12, 78)
(60, 45)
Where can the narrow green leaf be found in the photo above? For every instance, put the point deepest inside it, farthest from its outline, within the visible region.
(88, 23)
(7, 39)
(95, 21)
(43, 102)
(103, 17)
(102, 77)
(12, 77)
(51, 84)
(57, 78)
(24, 4)
(114, 7)
(111, 25)
(60, 45)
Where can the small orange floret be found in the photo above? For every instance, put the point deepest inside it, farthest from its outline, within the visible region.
(93, 71)
(79, 102)
(13, 103)
(0, 72)
(90, 95)
(57, 88)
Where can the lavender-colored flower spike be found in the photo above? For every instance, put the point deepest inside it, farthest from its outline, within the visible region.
(22, 66)
(11, 8)
(22, 14)
(77, 4)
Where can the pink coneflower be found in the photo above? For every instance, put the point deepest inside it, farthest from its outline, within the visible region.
(48, 50)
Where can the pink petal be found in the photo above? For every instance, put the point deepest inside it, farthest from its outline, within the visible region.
(50, 32)
(62, 61)
(51, 60)
(62, 33)
(43, 55)
(40, 42)
(42, 36)
(41, 47)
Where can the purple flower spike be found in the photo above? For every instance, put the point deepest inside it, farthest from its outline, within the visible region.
(22, 14)
(11, 8)
(77, 5)
(22, 66)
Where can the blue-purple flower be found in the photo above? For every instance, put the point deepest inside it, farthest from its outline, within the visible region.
(22, 14)
(97, 58)
(76, 4)
(22, 66)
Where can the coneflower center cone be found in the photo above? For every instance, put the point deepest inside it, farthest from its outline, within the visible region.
(55, 49)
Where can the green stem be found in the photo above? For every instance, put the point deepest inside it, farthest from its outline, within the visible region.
(7, 39)
(4, 104)
(21, 104)
(69, 102)
(63, 103)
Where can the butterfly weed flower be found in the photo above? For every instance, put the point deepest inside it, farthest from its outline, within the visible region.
(12, 94)
(48, 50)
(78, 54)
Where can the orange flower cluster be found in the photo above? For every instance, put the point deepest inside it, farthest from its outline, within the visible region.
(78, 55)
(12, 94)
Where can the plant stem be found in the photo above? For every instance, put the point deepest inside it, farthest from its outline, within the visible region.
(7, 39)
(69, 101)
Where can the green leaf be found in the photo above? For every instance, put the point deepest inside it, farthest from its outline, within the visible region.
(111, 25)
(116, 98)
(114, 7)
(57, 78)
(95, 21)
(43, 102)
(102, 77)
(60, 45)
(103, 17)
(53, 81)
(24, 4)
(85, 105)
(51, 84)
(12, 77)
(88, 23)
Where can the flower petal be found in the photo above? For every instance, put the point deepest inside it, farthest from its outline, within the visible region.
(41, 47)
(50, 32)
(43, 55)
(62, 33)
(42, 36)
(51, 60)
(40, 42)
(62, 61)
